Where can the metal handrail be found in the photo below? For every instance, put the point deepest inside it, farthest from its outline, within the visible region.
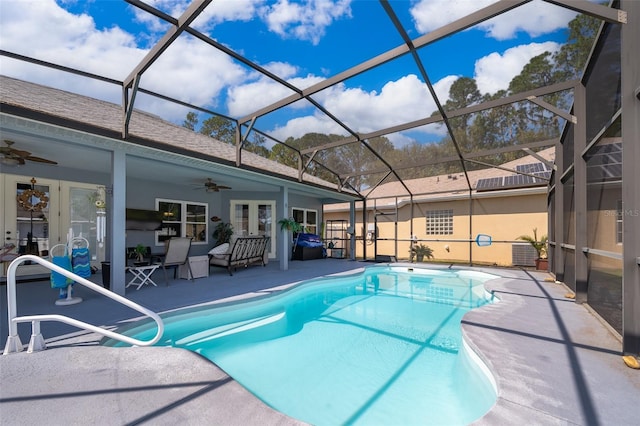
(37, 342)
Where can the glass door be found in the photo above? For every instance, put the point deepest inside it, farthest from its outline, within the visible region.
(85, 215)
(254, 218)
(30, 219)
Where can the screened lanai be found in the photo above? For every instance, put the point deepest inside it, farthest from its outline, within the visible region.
(362, 98)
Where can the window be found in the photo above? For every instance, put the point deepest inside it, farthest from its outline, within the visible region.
(440, 222)
(619, 215)
(307, 218)
(182, 218)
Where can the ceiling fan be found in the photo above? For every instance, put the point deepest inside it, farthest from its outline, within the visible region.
(211, 186)
(12, 157)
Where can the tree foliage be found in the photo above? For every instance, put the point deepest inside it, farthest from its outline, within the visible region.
(490, 129)
(224, 130)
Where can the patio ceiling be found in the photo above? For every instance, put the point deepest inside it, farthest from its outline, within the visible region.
(367, 62)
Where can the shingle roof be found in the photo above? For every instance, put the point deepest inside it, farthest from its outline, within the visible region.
(108, 116)
(446, 186)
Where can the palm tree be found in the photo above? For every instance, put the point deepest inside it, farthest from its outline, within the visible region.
(421, 251)
(539, 246)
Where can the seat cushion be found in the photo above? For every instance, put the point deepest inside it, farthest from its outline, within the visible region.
(220, 251)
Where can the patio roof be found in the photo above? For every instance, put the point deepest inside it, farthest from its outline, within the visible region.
(157, 144)
(388, 54)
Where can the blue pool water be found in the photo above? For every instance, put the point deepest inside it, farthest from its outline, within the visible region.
(377, 348)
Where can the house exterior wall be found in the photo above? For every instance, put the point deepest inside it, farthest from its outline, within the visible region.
(504, 218)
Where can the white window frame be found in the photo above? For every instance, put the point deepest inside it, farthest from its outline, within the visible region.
(308, 226)
(619, 220)
(184, 222)
(439, 222)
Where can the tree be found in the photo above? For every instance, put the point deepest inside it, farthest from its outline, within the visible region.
(224, 130)
(191, 122)
(572, 56)
(219, 128)
(284, 154)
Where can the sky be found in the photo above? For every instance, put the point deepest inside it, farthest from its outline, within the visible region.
(302, 42)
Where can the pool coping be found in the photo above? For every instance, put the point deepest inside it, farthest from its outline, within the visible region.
(554, 362)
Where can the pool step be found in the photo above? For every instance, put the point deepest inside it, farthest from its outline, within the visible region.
(228, 329)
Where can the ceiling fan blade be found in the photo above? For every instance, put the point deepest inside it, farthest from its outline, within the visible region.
(20, 153)
(223, 187)
(39, 160)
(11, 160)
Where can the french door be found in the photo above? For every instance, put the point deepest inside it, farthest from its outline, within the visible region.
(38, 214)
(31, 221)
(84, 213)
(253, 217)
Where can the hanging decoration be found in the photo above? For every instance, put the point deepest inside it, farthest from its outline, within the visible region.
(27, 199)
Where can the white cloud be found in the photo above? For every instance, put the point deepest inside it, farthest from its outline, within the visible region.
(307, 124)
(281, 69)
(45, 31)
(226, 10)
(398, 102)
(495, 71)
(197, 73)
(188, 70)
(154, 24)
(248, 97)
(534, 18)
(305, 21)
(429, 15)
(407, 98)
(193, 72)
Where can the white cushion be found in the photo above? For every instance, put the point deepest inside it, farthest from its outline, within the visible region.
(220, 250)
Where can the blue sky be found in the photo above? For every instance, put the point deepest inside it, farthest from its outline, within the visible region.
(303, 42)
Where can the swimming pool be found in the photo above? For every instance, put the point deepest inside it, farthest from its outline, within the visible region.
(380, 347)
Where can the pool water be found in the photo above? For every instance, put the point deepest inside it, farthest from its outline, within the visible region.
(377, 348)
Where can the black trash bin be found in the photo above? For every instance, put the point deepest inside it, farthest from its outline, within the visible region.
(106, 275)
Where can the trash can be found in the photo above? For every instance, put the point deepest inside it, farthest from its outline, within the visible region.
(106, 275)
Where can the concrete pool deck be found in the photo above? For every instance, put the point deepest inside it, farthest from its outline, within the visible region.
(554, 361)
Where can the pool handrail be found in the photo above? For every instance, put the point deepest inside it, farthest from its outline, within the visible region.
(37, 342)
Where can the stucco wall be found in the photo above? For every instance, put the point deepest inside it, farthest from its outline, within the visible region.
(503, 218)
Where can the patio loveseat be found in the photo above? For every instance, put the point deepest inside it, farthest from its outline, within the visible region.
(243, 252)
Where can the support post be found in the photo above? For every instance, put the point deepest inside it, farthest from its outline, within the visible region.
(630, 87)
(580, 192)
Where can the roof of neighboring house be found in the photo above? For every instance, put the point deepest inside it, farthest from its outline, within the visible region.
(104, 118)
(449, 186)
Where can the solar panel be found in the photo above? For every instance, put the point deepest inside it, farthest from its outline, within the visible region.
(542, 177)
(540, 171)
(518, 180)
(531, 168)
(489, 184)
(604, 163)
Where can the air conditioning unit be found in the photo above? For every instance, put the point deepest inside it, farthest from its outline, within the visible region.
(523, 254)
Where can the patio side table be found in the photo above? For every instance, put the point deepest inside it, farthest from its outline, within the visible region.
(142, 275)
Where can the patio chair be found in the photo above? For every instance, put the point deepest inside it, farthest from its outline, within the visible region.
(176, 255)
(6, 257)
